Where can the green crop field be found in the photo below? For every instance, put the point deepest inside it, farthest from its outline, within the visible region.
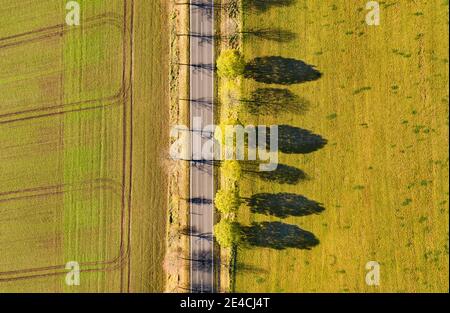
(80, 124)
(364, 147)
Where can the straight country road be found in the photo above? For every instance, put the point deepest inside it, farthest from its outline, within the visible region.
(201, 174)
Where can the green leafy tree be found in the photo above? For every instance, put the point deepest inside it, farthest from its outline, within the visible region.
(230, 63)
(232, 170)
(227, 233)
(227, 201)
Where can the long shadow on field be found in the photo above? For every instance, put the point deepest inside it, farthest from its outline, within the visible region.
(283, 205)
(297, 140)
(272, 34)
(279, 70)
(279, 236)
(264, 5)
(241, 267)
(274, 101)
(284, 174)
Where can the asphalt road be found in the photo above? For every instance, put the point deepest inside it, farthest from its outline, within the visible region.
(201, 173)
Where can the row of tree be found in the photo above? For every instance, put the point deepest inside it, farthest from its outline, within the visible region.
(230, 68)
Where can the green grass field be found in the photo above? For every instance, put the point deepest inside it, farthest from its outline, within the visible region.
(76, 120)
(381, 103)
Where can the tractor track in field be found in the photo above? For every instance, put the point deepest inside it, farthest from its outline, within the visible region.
(125, 93)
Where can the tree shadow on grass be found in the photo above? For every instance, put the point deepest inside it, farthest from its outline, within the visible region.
(284, 174)
(274, 101)
(279, 70)
(297, 140)
(241, 267)
(272, 34)
(283, 205)
(279, 236)
(264, 5)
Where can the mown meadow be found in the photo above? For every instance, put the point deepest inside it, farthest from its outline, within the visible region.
(363, 175)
